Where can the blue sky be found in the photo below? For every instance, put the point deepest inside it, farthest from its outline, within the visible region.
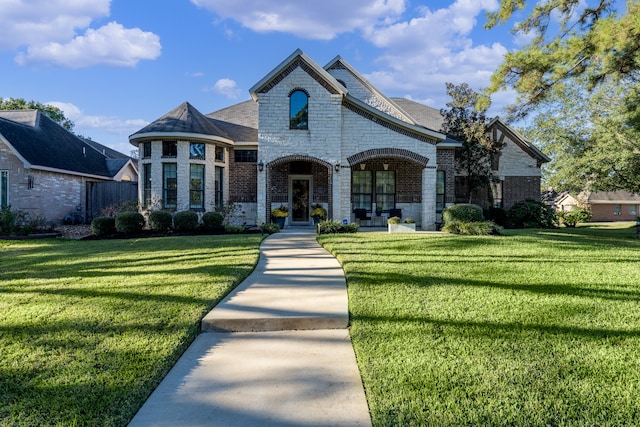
(115, 65)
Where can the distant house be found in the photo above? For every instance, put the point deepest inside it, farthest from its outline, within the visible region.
(604, 205)
(314, 135)
(48, 171)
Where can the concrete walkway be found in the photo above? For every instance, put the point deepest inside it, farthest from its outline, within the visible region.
(276, 351)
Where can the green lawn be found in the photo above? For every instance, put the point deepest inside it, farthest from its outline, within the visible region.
(89, 328)
(533, 328)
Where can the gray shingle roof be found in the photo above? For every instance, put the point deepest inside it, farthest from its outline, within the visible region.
(239, 121)
(185, 118)
(424, 115)
(44, 143)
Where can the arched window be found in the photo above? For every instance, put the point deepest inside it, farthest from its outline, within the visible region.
(298, 110)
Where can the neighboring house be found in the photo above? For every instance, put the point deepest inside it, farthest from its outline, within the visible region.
(315, 135)
(47, 171)
(604, 205)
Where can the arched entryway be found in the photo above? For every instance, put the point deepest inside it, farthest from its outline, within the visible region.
(300, 183)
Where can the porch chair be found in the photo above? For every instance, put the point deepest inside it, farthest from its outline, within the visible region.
(395, 212)
(361, 215)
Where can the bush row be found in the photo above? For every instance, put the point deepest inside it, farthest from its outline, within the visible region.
(161, 221)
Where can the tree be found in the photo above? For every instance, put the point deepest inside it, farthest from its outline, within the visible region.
(468, 124)
(54, 113)
(588, 138)
(571, 38)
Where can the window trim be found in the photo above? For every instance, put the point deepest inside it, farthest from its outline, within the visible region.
(146, 184)
(362, 195)
(4, 189)
(198, 191)
(441, 196)
(380, 194)
(166, 189)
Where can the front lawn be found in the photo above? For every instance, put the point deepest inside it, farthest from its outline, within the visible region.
(530, 329)
(89, 328)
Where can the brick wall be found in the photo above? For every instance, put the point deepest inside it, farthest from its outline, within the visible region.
(517, 188)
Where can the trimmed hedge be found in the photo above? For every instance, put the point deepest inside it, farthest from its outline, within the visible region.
(480, 228)
(160, 220)
(129, 222)
(532, 214)
(464, 212)
(331, 227)
(212, 221)
(103, 225)
(185, 220)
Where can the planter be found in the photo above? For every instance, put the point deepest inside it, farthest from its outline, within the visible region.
(401, 228)
(280, 222)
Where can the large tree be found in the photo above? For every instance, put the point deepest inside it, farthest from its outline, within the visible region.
(467, 123)
(53, 112)
(588, 138)
(589, 39)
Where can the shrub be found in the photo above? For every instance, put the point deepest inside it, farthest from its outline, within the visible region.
(233, 229)
(281, 212)
(464, 212)
(573, 217)
(103, 225)
(393, 220)
(497, 215)
(333, 227)
(129, 222)
(160, 220)
(213, 221)
(476, 228)
(409, 221)
(185, 220)
(531, 214)
(7, 220)
(318, 212)
(270, 228)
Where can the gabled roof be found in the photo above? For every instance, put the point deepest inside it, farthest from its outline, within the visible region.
(293, 61)
(41, 143)
(519, 140)
(183, 121)
(608, 197)
(426, 116)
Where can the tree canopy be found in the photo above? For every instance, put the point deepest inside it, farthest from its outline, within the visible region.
(589, 39)
(54, 113)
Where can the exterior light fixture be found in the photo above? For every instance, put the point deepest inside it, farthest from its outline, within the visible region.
(386, 166)
(337, 167)
(260, 166)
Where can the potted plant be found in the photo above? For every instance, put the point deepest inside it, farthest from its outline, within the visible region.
(318, 213)
(279, 215)
(395, 225)
(378, 211)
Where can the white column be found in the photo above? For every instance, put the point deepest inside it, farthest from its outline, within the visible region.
(428, 198)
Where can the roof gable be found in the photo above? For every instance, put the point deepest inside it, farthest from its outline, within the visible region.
(295, 60)
(518, 139)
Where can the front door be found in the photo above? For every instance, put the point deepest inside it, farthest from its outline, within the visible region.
(300, 199)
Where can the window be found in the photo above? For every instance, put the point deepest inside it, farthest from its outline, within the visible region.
(617, 209)
(385, 190)
(196, 151)
(633, 210)
(4, 189)
(146, 185)
(219, 200)
(361, 190)
(169, 149)
(219, 154)
(298, 110)
(170, 185)
(440, 190)
(246, 156)
(196, 187)
(146, 150)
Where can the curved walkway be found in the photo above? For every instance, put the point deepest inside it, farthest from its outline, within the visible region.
(276, 351)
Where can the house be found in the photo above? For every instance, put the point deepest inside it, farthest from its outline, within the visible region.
(618, 205)
(314, 135)
(47, 171)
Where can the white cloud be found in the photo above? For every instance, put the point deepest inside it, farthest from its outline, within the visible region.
(227, 88)
(111, 45)
(309, 20)
(46, 31)
(435, 47)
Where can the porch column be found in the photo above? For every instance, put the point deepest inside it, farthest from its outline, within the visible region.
(428, 198)
(261, 205)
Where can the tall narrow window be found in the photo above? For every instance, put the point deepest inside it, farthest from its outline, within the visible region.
(146, 184)
(196, 187)
(4, 189)
(170, 185)
(219, 196)
(299, 110)
(440, 190)
(146, 150)
(385, 190)
(361, 190)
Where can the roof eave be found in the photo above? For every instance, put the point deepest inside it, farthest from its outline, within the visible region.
(138, 137)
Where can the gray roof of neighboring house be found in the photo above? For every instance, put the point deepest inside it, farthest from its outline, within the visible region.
(619, 196)
(185, 118)
(43, 143)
